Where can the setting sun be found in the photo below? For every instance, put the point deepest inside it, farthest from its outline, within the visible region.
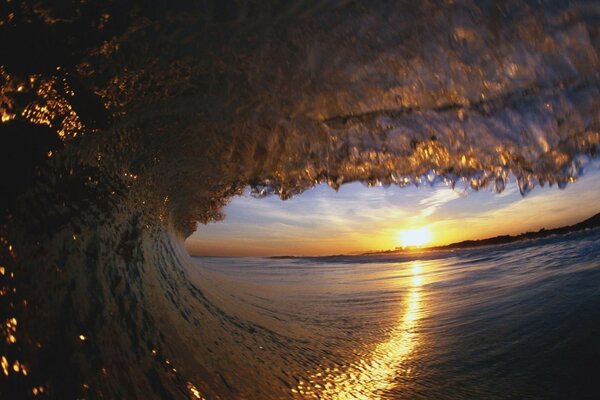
(414, 237)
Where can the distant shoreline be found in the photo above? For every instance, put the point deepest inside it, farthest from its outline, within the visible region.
(592, 222)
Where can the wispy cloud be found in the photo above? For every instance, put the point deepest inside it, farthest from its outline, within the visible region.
(437, 199)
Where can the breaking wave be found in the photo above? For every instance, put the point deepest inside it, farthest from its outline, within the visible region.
(125, 124)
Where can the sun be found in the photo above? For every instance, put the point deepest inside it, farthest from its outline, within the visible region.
(414, 237)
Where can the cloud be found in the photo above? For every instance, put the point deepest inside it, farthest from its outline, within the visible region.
(437, 199)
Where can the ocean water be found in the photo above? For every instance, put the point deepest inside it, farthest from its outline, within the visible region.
(518, 321)
(124, 124)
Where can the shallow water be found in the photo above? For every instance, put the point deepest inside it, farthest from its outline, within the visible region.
(512, 321)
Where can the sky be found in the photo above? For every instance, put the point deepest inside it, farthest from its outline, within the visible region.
(355, 219)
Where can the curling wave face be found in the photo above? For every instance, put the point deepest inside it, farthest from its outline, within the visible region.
(139, 120)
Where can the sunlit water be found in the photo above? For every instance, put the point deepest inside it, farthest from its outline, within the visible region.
(513, 321)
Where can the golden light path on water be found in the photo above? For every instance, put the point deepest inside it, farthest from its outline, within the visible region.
(371, 376)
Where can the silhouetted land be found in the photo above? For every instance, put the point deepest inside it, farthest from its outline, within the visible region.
(592, 222)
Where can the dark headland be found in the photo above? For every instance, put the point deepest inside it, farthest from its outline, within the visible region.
(592, 222)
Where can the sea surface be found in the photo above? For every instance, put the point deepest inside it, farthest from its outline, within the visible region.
(516, 321)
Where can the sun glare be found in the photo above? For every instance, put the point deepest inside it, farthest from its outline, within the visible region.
(414, 237)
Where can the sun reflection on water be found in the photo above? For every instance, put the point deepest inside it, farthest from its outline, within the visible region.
(372, 375)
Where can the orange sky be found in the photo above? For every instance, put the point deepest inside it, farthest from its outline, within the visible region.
(359, 219)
